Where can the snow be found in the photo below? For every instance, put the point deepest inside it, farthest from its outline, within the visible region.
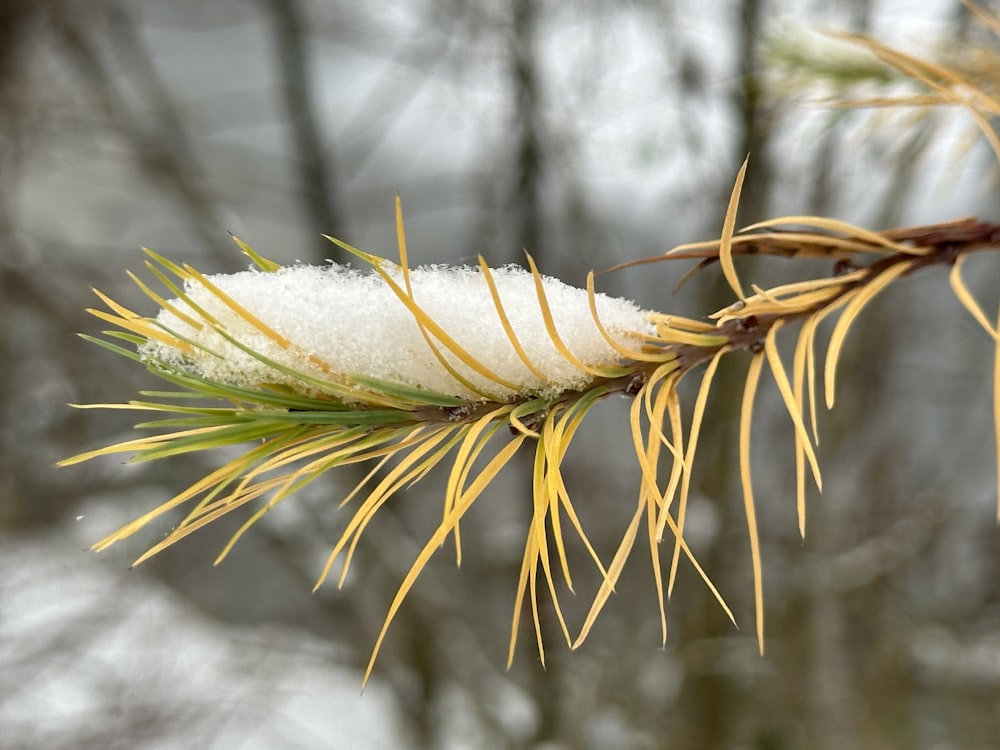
(93, 652)
(356, 324)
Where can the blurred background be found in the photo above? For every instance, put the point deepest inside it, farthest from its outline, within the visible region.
(589, 133)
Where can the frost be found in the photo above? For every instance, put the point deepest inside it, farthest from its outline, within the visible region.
(355, 324)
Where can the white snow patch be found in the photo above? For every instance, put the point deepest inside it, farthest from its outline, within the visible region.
(92, 654)
(356, 324)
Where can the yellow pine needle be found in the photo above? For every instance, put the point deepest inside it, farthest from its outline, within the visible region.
(215, 506)
(515, 623)
(169, 265)
(765, 304)
(210, 509)
(618, 564)
(466, 468)
(662, 383)
(567, 427)
(821, 246)
(138, 445)
(614, 571)
(801, 295)
(554, 451)
(438, 538)
(677, 323)
(521, 427)
(290, 482)
(162, 277)
(670, 404)
(353, 442)
(915, 101)
(280, 488)
(746, 419)
(790, 243)
(665, 376)
(858, 299)
(809, 328)
(624, 351)
(120, 310)
(986, 17)
(505, 322)
(649, 495)
(759, 293)
(657, 410)
(165, 304)
(472, 446)
(409, 470)
(181, 294)
(332, 557)
(808, 335)
(237, 308)
(701, 571)
(654, 557)
(550, 327)
(803, 369)
(648, 469)
(850, 230)
(694, 432)
(546, 508)
(966, 298)
(949, 83)
(382, 444)
(213, 502)
(667, 334)
(422, 320)
(647, 489)
(932, 75)
(130, 406)
(728, 228)
(547, 463)
(143, 327)
(206, 317)
(578, 527)
(180, 532)
(375, 471)
(388, 485)
(430, 328)
(223, 473)
(792, 404)
(263, 263)
(553, 497)
(381, 495)
(535, 552)
(528, 408)
(996, 409)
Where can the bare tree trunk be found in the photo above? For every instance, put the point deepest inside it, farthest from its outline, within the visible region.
(316, 175)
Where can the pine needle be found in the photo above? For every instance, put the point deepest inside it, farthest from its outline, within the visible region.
(749, 509)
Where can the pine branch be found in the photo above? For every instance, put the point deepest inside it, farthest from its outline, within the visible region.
(405, 369)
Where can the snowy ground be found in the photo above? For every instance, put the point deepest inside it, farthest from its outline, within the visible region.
(90, 657)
